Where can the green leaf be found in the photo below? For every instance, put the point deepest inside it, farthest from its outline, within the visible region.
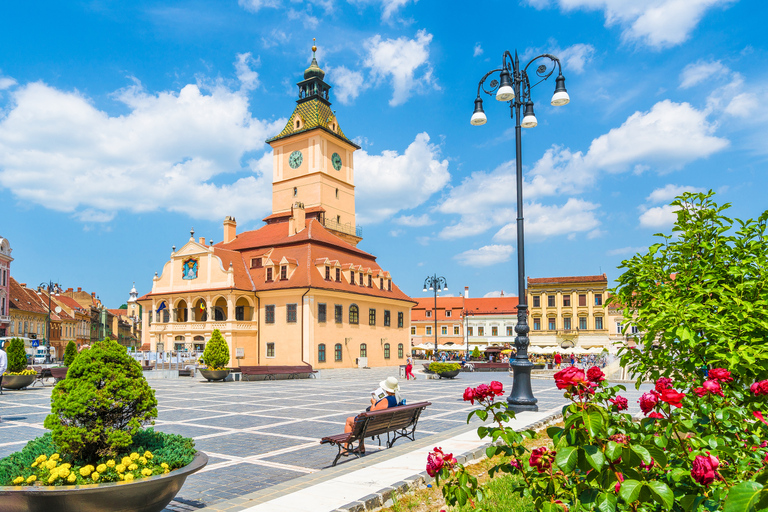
(612, 450)
(606, 502)
(630, 490)
(595, 457)
(743, 496)
(642, 453)
(593, 421)
(566, 458)
(661, 493)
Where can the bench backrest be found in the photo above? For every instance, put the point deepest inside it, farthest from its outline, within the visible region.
(258, 370)
(374, 423)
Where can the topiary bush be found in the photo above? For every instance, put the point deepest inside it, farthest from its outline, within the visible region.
(216, 354)
(476, 353)
(444, 367)
(17, 357)
(70, 353)
(102, 403)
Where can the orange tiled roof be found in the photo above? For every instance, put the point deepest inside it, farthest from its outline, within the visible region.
(491, 305)
(569, 279)
(459, 305)
(24, 299)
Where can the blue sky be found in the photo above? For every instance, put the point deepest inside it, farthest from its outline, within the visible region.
(124, 124)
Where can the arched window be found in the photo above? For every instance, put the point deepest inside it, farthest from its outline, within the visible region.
(354, 314)
(200, 313)
(399, 350)
(321, 353)
(220, 310)
(337, 352)
(363, 350)
(386, 351)
(181, 312)
(199, 343)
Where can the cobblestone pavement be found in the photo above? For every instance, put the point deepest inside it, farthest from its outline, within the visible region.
(258, 434)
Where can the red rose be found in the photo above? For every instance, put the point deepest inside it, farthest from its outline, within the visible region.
(436, 460)
(648, 401)
(663, 383)
(700, 391)
(469, 395)
(704, 469)
(656, 415)
(595, 375)
(569, 377)
(620, 402)
(759, 388)
(541, 459)
(620, 478)
(515, 464)
(482, 391)
(720, 374)
(672, 397)
(759, 415)
(713, 386)
(497, 388)
(648, 466)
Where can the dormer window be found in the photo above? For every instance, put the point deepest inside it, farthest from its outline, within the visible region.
(269, 273)
(351, 278)
(362, 279)
(283, 272)
(338, 275)
(327, 273)
(381, 283)
(389, 285)
(370, 281)
(255, 262)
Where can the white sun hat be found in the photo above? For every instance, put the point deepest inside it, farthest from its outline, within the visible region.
(390, 385)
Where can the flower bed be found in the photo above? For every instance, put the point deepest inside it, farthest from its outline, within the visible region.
(438, 367)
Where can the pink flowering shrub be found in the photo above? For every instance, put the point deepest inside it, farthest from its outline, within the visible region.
(700, 445)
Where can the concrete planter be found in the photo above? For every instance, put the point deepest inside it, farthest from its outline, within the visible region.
(18, 381)
(143, 495)
(449, 375)
(214, 374)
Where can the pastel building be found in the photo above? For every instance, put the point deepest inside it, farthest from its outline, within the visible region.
(5, 286)
(298, 290)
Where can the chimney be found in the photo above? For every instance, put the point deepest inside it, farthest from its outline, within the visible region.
(466, 292)
(202, 240)
(298, 219)
(230, 229)
(79, 289)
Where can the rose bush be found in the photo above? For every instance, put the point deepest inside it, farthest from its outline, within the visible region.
(699, 447)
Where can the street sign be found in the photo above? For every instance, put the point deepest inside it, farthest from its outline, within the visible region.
(35, 343)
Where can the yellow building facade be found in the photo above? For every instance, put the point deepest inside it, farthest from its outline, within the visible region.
(298, 290)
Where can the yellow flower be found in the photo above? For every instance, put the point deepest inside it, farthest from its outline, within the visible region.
(148, 454)
(110, 463)
(146, 472)
(18, 480)
(122, 476)
(164, 465)
(143, 461)
(126, 461)
(120, 468)
(31, 479)
(101, 468)
(55, 456)
(34, 464)
(52, 478)
(95, 476)
(134, 456)
(129, 477)
(133, 467)
(64, 472)
(85, 470)
(166, 471)
(71, 478)
(50, 464)
(41, 458)
(65, 466)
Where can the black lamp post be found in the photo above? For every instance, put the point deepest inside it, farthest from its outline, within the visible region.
(437, 284)
(515, 88)
(50, 288)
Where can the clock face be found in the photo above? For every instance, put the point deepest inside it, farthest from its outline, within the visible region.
(295, 159)
(336, 159)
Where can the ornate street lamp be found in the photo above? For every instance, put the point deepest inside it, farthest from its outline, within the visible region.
(514, 86)
(50, 288)
(437, 284)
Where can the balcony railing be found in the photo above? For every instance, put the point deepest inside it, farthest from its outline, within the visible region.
(347, 228)
(236, 325)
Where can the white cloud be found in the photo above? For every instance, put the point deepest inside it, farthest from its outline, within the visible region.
(499, 293)
(697, 72)
(399, 60)
(256, 5)
(170, 151)
(625, 251)
(573, 58)
(669, 192)
(478, 50)
(390, 182)
(468, 226)
(347, 84)
(413, 221)
(6, 83)
(544, 221)
(249, 79)
(388, 7)
(276, 37)
(743, 105)
(485, 256)
(659, 216)
(305, 17)
(656, 23)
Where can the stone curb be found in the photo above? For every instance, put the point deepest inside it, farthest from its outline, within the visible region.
(385, 497)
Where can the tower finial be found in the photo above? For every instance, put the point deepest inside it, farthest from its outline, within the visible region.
(314, 48)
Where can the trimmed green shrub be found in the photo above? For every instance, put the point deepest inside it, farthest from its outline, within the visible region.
(20, 463)
(17, 357)
(70, 353)
(443, 367)
(476, 353)
(102, 403)
(216, 354)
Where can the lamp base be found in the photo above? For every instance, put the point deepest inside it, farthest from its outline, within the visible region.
(521, 397)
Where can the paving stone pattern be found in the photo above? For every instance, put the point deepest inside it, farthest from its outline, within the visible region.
(259, 434)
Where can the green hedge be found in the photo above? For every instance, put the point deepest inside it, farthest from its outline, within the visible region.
(444, 367)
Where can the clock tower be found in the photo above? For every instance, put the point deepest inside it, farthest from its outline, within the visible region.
(313, 161)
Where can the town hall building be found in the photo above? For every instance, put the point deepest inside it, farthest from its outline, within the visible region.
(298, 290)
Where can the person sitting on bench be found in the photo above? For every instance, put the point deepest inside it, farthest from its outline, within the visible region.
(390, 387)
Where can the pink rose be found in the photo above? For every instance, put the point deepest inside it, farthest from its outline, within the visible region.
(648, 402)
(619, 478)
(541, 459)
(620, 402)
(704, 469)
(713, 387)
(720, 374)
(663, 383)
(436, 460)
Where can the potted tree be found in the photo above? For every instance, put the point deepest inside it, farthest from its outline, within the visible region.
(17, 376)
(215, 357)
(445, 370)
(97, 455)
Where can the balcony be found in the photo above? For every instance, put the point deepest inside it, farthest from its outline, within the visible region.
(347, 228)
(5, 319)
(182, 327)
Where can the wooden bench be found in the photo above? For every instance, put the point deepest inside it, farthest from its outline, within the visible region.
(397, 421)
(186, 372)
(42, 374)
(272, 372)
(491, 367)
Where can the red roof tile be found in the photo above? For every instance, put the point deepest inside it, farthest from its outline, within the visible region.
(24, 299)
(491, 305)
(569, 279)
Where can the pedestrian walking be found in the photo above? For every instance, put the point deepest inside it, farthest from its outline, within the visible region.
(409, 368)
(573, 360)
(558, 359)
